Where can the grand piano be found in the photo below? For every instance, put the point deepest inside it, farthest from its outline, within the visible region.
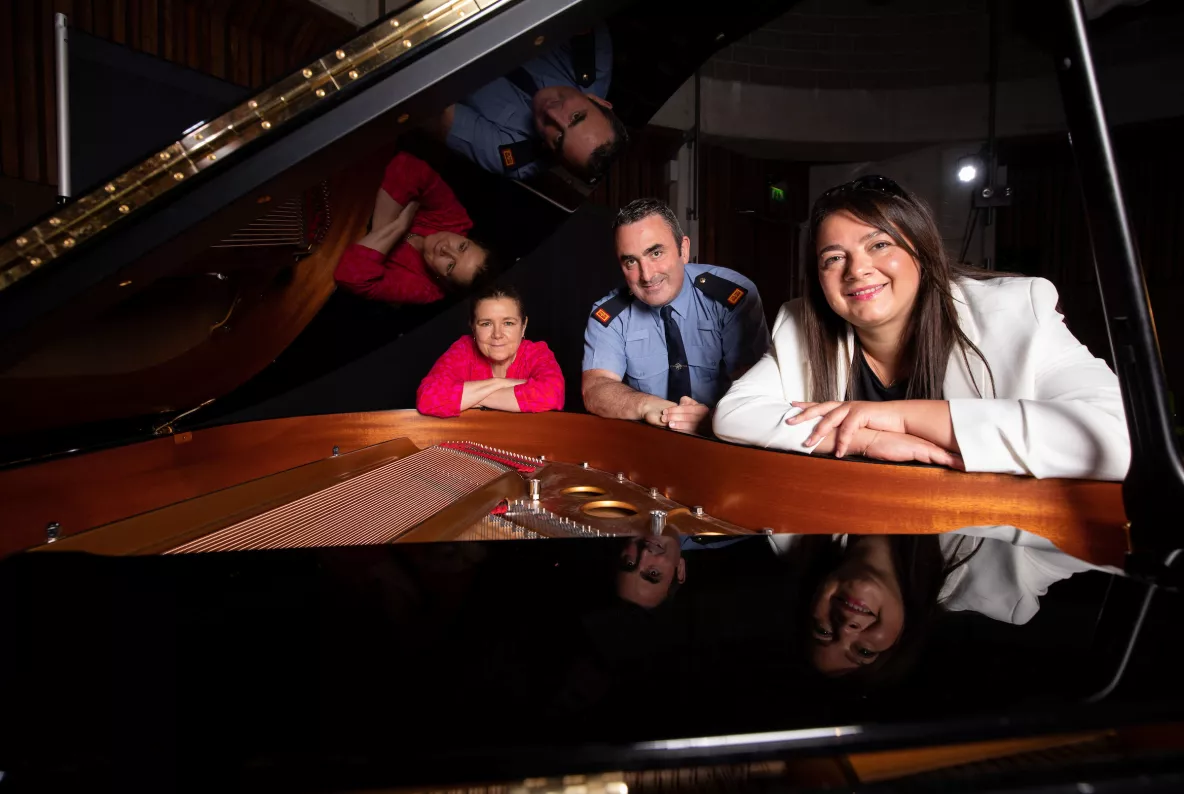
(232, 554)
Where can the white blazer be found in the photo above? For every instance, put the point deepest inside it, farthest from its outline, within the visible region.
(1057, 413)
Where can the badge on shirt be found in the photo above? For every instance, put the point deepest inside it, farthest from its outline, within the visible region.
(517, 155)
(605, 312)
(729, 293)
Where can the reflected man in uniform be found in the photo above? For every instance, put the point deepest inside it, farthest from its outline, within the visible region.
(665, 347)
(651, 569)
(553, 105)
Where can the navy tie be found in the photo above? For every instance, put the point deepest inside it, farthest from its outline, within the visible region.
(678, 377)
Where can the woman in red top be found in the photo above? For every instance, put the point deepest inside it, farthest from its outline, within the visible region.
(418, 244)
(494, 367)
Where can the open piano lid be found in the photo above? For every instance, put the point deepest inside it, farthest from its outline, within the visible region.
(149, 295)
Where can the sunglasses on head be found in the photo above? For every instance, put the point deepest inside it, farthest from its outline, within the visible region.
(871, 183)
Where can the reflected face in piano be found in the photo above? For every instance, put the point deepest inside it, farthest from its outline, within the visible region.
(648, 568)
(454, 257)
(868, 279)
(572, 124)
(498, 327)
(652, 259)
(858, 611)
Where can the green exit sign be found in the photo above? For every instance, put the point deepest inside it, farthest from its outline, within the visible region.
(776, 193)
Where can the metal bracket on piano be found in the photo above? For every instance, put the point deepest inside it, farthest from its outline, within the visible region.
(166, 429)
(529, 514)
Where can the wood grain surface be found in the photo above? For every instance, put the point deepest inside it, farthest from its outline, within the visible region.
(750, 487)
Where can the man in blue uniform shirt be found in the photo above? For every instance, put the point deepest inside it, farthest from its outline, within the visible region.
(666, 347)
(552, 105)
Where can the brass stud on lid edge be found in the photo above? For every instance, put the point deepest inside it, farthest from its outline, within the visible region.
(307, 72)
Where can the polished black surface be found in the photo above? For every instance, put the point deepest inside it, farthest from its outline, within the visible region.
(477, 661)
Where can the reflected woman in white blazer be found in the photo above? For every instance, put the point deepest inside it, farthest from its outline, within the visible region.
(897, 355)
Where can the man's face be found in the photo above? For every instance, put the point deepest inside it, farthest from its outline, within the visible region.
(652, 259)
(648, 566)
(571, 123)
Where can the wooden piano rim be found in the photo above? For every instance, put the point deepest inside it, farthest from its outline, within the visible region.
(750, 487)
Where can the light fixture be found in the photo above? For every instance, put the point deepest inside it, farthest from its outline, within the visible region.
(968, 169)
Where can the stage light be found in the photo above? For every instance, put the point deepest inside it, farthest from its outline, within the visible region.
(967, 173)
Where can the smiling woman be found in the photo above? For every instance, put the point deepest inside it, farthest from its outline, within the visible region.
(496, 366)
(896, 354)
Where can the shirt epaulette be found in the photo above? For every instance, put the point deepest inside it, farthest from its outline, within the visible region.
(719, 289)
(607, 311)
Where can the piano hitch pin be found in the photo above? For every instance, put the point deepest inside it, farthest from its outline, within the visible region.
(534, 489)
(657, 522)
(53, 531)
(620, 476)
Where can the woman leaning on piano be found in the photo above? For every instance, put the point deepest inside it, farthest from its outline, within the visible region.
(494, 366)
(898, 355)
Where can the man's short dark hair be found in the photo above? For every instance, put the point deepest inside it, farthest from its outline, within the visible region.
(602, 156)
(640, 209)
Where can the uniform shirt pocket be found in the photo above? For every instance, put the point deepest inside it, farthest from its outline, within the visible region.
(645, 357)
(705, 352)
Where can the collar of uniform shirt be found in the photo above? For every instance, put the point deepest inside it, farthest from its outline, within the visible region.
(681, 302)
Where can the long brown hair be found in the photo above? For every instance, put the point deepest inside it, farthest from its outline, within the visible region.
(933, 328)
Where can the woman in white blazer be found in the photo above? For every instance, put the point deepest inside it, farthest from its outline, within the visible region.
(894, 354)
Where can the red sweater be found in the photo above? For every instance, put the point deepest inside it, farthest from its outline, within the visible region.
(402, 276)
(440, 392)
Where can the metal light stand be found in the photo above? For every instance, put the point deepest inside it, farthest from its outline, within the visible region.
(1154, 485)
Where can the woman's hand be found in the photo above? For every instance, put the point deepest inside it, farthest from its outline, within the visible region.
(902, 448)
(925, 419)
(384, 238)
(845, 419)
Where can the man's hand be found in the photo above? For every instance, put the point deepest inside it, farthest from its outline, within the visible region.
(686, 417)
(653, 412)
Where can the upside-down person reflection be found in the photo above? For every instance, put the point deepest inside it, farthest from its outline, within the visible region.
(552, 105)
(867, 603)
(494, 366)
(898, 355)
(418, 246)
(666, 346)
(651, 569)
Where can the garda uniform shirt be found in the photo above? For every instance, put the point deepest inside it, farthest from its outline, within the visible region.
(719, 337)
(500, 114)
